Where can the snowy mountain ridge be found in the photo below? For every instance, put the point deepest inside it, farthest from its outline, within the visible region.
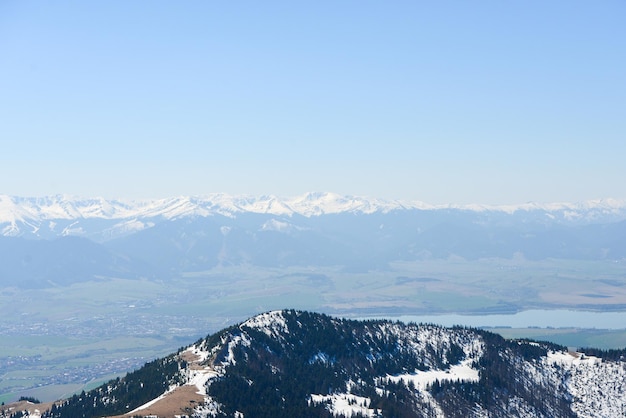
(20, 214)
(296, 363)
(53, 239)
(311, 204)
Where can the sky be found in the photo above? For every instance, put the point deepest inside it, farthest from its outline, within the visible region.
(442, 102)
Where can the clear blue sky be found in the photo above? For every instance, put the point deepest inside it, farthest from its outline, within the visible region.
(444, 102)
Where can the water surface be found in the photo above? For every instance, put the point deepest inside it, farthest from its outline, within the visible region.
(527, 319)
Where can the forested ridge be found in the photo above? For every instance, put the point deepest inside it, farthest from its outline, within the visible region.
(275, 364)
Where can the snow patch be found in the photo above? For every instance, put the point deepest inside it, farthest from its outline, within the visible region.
(199, 379)
(571, 358)
(234, 342)
(345, 404)
(271, 323)
(279, 226)
(202, 355)
(321, 357)
(462, 372)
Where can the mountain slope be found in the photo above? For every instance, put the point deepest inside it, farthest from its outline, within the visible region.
(301, 364)
(42, 263)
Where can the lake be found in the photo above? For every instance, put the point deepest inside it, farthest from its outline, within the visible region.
(527, 319)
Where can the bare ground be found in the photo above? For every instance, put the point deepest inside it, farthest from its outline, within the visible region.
(181, 401)
(32, 408)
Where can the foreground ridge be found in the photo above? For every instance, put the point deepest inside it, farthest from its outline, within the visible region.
(297, 364)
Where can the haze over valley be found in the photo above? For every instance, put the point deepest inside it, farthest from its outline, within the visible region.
(188, 184)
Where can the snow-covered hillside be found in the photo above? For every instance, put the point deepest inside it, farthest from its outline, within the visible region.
(294, 363)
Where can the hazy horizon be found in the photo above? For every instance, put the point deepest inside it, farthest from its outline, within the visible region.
(611, 201)
(446, 103)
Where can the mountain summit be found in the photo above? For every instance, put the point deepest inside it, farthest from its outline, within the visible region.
(301, 364)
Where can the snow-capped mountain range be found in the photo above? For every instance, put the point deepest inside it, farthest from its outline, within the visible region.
(61, 215)
(62, 240)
